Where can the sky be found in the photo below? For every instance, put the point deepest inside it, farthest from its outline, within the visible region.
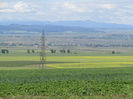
(108, 11)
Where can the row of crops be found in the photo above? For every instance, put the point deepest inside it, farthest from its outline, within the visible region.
(67, 82)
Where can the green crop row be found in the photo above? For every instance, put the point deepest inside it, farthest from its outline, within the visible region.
(67, 82)
(66, 88)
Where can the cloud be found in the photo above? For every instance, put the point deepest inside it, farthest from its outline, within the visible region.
(3, 4)
(67, 8)
(72, 7)
(100, 11)
(108, 6)
(19, 7)
(7, 10)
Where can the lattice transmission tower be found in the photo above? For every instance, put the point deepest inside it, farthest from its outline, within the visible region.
(43, 49)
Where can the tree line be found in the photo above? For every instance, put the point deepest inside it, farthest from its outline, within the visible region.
(6, 51)
(61, 51)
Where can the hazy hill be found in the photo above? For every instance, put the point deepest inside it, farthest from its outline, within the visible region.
(48, 28)
(88, 24)
(91, 24)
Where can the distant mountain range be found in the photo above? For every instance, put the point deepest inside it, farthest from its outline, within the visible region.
(83, 24)
(60, 26)
(48, 28)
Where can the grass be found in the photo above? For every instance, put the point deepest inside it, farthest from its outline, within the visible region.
(39, 75)
(67, 82)
(72, 97)
(73, 76)
(17, 62)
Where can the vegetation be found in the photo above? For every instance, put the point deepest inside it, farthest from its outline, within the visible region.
(101, 76)
(67, 82)
(4, 51)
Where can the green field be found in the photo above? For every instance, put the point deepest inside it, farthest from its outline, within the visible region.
(19, 59)
(82, 75)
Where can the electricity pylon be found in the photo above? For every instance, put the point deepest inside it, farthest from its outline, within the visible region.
(43, 48)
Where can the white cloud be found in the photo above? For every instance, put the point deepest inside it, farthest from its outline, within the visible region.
(72, 7)
(108, 6)
(3, 4)
(67, 8)
(19, 7)
(22, 7)
(7, 10)
(41, 13)
(96, 10)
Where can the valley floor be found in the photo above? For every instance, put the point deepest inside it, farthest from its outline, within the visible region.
(75, 77)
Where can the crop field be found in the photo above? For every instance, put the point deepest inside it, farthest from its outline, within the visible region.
(19, 59)
(73, 76)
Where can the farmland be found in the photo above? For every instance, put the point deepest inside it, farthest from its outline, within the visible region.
(82, 75)
(66, 49)
(19, 59)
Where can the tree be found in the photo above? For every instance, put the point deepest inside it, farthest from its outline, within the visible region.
(53, 51)
(63, 51)
(28, 51)
(5, 51)
(33, 51)
(68, 51)
(113, 52)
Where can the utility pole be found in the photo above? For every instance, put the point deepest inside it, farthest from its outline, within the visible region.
(43, 48)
